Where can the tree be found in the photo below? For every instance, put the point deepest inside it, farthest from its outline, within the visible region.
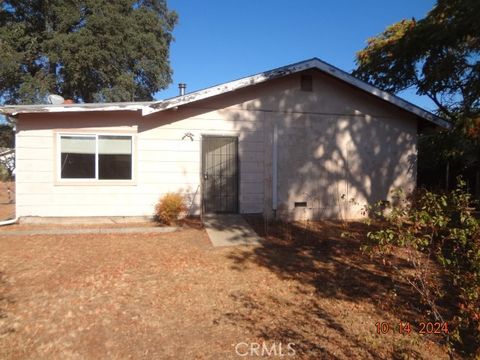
(7, 159)
(86, 50)
(439, 57)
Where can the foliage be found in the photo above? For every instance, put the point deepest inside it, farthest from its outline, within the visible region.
(86, 50)
(437, 227)
(439, 56)
(6, 169)
(7, 136)
(455, 147)
(7, 141)
(170, 207)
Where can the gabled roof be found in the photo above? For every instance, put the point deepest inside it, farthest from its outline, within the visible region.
(156, 106)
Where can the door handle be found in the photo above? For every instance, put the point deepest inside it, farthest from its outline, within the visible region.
(205, 176)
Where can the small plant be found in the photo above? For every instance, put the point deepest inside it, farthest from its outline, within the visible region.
(169, 207)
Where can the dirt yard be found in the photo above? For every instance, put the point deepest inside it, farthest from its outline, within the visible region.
(7, 200)
(173, 296)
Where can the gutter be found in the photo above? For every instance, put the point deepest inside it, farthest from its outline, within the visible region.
(150, 107)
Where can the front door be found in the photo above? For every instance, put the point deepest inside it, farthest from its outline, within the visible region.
(220, 174)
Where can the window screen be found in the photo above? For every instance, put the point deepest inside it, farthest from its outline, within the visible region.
(114, 157)
(77, 157)
(79, 154)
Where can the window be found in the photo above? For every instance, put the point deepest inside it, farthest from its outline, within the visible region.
(77, 157)
(114, 157)
(98, 157)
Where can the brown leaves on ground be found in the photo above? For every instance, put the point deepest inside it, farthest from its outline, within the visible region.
(7, 200)
(174, 296)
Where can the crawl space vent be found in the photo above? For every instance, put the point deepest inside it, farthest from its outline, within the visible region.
(300, 204)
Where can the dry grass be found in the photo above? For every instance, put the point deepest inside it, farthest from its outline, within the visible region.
(7, 200)
(174, 296)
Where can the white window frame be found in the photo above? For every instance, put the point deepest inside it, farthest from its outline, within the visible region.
(95, 180)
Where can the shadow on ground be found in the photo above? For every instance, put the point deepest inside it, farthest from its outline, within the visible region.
(6, 300)
(339, 293)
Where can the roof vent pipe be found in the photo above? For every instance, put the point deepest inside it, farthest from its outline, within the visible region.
(181, 88)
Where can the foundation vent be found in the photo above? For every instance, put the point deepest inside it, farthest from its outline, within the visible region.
(300, 204)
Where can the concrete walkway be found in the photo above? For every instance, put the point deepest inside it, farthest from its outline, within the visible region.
(128, 230)
(229, 230)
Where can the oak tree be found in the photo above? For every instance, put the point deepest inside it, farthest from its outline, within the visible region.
(86, 50)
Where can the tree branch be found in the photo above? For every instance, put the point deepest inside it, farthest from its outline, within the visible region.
(442, 108)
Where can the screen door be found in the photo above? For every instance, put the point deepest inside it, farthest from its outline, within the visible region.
(220, 174)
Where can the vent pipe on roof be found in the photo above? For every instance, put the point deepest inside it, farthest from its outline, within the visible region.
(181, 88)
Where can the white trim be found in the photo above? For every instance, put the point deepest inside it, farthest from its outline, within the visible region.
(147, 107)
(96, 180)
(313, 63)
(13, 110)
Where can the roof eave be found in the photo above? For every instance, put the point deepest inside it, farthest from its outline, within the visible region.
(232, 85)
(156, 106)
(14, 110)
(313, 63)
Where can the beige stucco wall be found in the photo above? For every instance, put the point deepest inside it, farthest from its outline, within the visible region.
(335, 140)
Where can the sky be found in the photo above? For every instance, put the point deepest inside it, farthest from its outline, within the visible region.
(217, 41)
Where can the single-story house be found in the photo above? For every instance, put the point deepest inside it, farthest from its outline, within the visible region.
(306, 140)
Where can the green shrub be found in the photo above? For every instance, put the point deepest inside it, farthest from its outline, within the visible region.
(442, 228)
(169, 207)
(5, 174)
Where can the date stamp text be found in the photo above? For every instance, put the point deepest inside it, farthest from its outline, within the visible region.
(406, 328)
